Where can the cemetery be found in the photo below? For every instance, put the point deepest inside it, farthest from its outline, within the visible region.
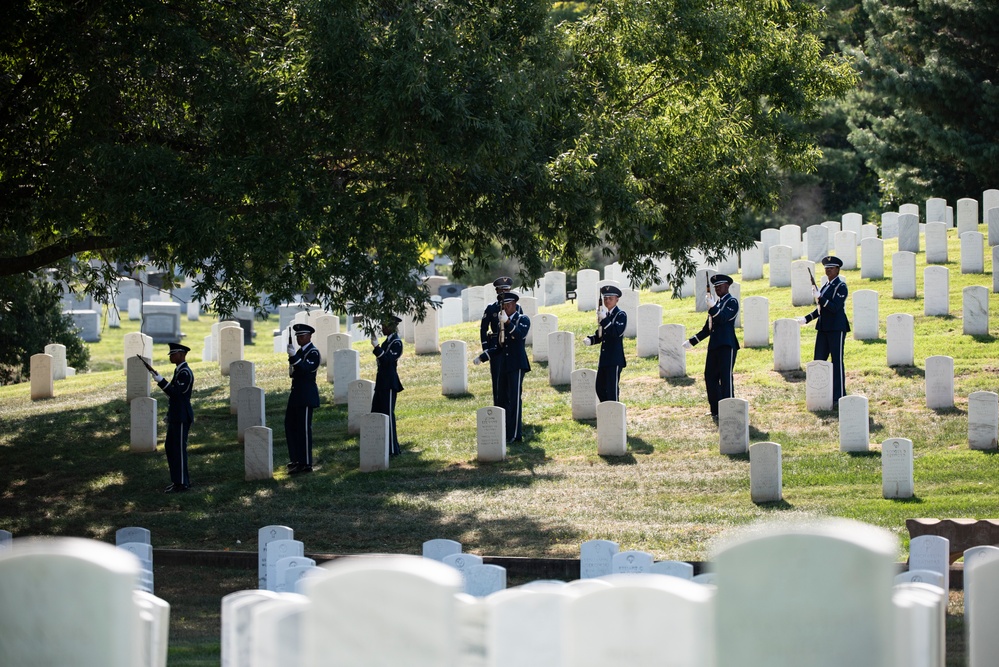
(596, 493)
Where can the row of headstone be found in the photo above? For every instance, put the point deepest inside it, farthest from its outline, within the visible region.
(137, 541)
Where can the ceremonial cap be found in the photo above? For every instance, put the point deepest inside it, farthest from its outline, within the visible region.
(503, 282)
(177, 347)
(300, 329)
(507, 297)
(610, 290)
(721, 279)
(391, 319)
(832, 260)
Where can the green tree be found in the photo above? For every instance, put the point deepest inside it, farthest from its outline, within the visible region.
(928, 122)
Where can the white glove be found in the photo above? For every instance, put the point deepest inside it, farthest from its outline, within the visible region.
(815, 292)
(291, 349)
(586, 341)
(476, 361)
(601, 313)
(504, 318)
(687, 345)
(711, 300)
(374, 340)
(802, 321)
(157, 377)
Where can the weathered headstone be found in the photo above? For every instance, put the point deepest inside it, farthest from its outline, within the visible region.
(903, 275)
(242, 373)
(854, 424)
(427, 334)
(872, 258)
(846, 248)
(790, 235)
(972, 252)
(908, 233)
(454, 368)
(230, 347)
(137, 379)
(631, 562)
(787, 345)
(650, 318)
(374, 442)
(780, 266)
(866, 322)
(802, 274)
(936, 288)
(42, 386)
(818, 385)
(359, 395)
(936, 210)
(756, 321)
(931, 552)
(554, 288)
(733, 426)
(265, 536)
(561, 357)
(939, 382)
(967, 216)
(58, 353)
(250, 410)
(896, 468)
(258, 453)
(983, 420)
(439, 548)
(765, 484)
(490, 434)
(595, 558)
(346, 369)
(612, 429)
(900, 335)
(752, 262)
(936, 243)
(976, 310)
(542, 325)
(889, 225)
(583, 384)
(334, 342)
(818, 243)
(672, 356)
(142, 434)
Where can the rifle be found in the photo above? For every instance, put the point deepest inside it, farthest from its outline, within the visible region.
(707, 289)
(291, 369)
(148, 367)
(818, 306)
(501, 336)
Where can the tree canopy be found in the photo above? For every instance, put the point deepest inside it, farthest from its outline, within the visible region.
(266, 145)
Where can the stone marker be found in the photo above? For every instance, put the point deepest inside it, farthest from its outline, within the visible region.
(983, 420)
(42, 386)
(484, 580)
(801, 282)
(258, 453)
(134, 309)
(733, 426)
(242, 373)
(780, 266)
(542, 325)
(595, 558)
(296, 564)
(768, 591)
(451, 312)
(903, 278)
(790, 236)
(438, 548)
(936, 288)
(374, 442)
(939, 382)
(530, 307)
(612, 429)
(872, 259)
(936, 243)
(756, 322)
(193, 311)
(787, 345)
(346, 369)
(936, 210)
(752, 262)
(631, 562)
(889, 225)
(359, 395)
(250, 410)
(896, 468)
(981, 610)
(992, 218)
(846, 248)
(490, 434)
(137, 344)
(672, 356)
(265, 536)
(113, 317)
(461, 561)
(161, 321)
(901, 339)
(138, 381)
(454, 368)
(236, 631)
(908, 233)
(990, 199)
(230, 347)
(132, 534)
(865, 315)
(276, 551)
(426, 334)
(931, 552)
(142, 435)
(586, 290)
(818, 385)
(58, 353)
(976, 310)
(868, 231)
(650, 318)
(854, 424)
(768, 239)
(909, 209)
(325, 325)
(674, 568)
(967, 216)
(765, 472)
(818, 243)
(583, 383)
(554, 288)
(972, 252)
(334, 342)
(561, 357)
(853, 222)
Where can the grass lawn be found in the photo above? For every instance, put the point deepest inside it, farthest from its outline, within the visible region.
(68, 470)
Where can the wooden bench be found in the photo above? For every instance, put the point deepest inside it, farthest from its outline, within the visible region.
(962, 533)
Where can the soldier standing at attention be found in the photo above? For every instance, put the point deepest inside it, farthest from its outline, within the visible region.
(831, 325)
(180, 416)
(387, 384)
(303, 399)
(513, 364)
(611, 322)
(490, 326)
(719, 328)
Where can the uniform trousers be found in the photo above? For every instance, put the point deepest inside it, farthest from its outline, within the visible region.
(829, 346)
(176, 452)
(383, 402)
(298, 432)
(718, 375)
(510, 386)
(608, 378)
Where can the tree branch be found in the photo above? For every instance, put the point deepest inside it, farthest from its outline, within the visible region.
(49, 255)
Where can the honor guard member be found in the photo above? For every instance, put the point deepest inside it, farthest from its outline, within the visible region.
(180, 415)
(611, 322)
(303, 399)
(489, 328)
(719, 329)
(387, 384)
(831, 325)
(511, 358)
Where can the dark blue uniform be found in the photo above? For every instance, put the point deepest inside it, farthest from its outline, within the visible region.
(489, 329)
(511, 358)
(387, 384)
(610, 335)
(831, 327)
(303, 399)
(719, 329)
(180, 416)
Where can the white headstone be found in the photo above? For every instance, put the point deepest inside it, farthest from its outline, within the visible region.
(756, 321)
(674, 568)
(334, 342)
(901, 339)
(992, 218)
(701, 281)
(818, 243)
(752, 262)
(161, 321)
(908, 233)
(237, 631)
(595, 557)
(484, 580)
(586, 290)
(241, 374)
(612, 429)
(889, 225)
(852, 222)
(374, 442)
(990, 199)
(972, 252)
(868, 231)
(846, 248)
(983, 420)
(426, 334)
(936, 288)
(818, 385)
(265, 536)
(967, 216)
(346, 369)
(530, 307)
(872, 259)
(58, 353)
(490, 434)
(631, 562)
(451, 312)
(802, 274)
(790, 235)
(230, 347)
(854, 424)
(439, 548)
(138, 381)
(561, 357)
(542, 325)
(250, 410)
(132, 534)
(896, 468)
(787, 345)
(193, 311)
(780, 266)
(325, 325)
(940, 382)
(936, 243)
(733, 425)
(768, 239)
(134, 309)
(142, 435)
(909, 209)
(865, 315)
(454, 368)
(672, 356)
(650, 318)
(583, 384)
(903, 275)
(931, 552)
(137, 344)
(981, 603)
(765, 484)
(554, 288)
(936, 210)
(359, 395)
(976, 310)
(258, 453)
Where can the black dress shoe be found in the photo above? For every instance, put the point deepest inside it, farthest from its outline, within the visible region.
(300, 469)
(292, 465)
(177, 488)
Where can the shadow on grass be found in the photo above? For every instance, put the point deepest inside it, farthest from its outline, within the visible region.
(873, 341)
(627, 460)
(639, 445)
(792, 376)
(562, 388)
(863, 455)
(953, 410)
(459, 397)
(744, 457)
(909, 371)
(757, 435)
(778, 505)
(684, 381)
(983, 338)
(913, 500)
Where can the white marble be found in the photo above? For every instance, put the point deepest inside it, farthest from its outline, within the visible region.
(733, 426)
(802, 275)
(908, 233)
(542, 325)
(889, 225)
(818, 243)
(967, 215)
(490, 434)
(230, 347)
(780, 266)
(854, 424)
(872, 259)
(972, 252)
(975, 310)
(936, 291)
(346, 369)
(672, 356)
(142, 434)
(936, 243)
(454, 368)
(374, 442)
(787, 345)
(901, 339)
(650, 318)
(846, 248)
(896, 468)
(242, 373)
(258, 453)
(903, 275)
(818, 385)
(790, 235)
(359, 395)
(251, 410)
(765, 483)
(583, 384)
(936, 210)
(865, 315)
(595, 558)
(554, 288)
(426, 334)
(852, 222)
(751, 260)
(768, 239)
(587, 297)
(756, 321)
(983, 420)
(561, 357)
(334, 342)
(612, 429)
(939, 382)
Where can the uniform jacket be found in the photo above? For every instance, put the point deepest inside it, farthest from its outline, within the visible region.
(490, 325)
(831, 313)
(511, 354)
(720, 325)
(387, 354)
(304, 364)
(179, 390)
(610, 335)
